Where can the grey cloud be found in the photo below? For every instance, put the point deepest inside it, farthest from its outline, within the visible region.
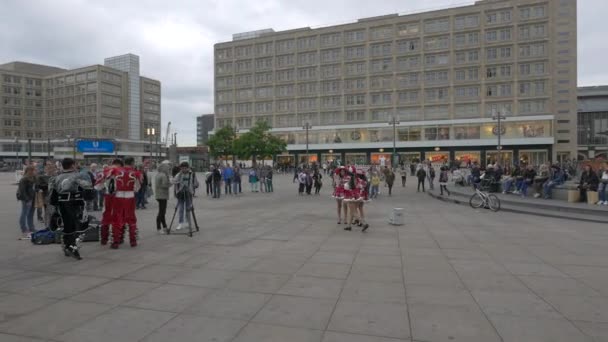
(174, 39)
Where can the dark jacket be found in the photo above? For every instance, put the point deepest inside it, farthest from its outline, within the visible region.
(529, 175)
(589, 180)
(25, 189)
(390, 177)
(216, 176)
(421, 174)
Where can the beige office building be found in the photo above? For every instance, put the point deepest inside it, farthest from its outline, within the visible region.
(44, 103)
(444, 75)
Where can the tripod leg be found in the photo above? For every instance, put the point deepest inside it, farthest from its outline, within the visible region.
(172, 219)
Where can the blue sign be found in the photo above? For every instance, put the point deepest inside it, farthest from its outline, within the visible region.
(95, 146)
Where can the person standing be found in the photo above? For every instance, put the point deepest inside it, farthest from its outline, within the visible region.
(253, 179)
(228, 175)
(185, 185)
(309, 182)
(301, 182)
(421, 174)
(375, 181)
(140, 195)
(162, 183)
(209, 182)
(389, 177)
(262, 175)
(236, 181)
(269, 175)
(431, 176)
(403, 173)
(107, 185)
(26, 193)
(217, 181)
(127, 181)
(69, 193)
(443, 180)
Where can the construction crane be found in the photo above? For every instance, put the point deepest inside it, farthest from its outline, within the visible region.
(168, 134)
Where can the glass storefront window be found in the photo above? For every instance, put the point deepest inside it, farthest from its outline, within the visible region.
(437, 133)
(329, 158)
(312, 158)
(503, 158)
(533, 157)
(355, 158)
(465, 158)
(438, 157)
(286, 160)
(409, 157)
(466, 132)
(382, 159)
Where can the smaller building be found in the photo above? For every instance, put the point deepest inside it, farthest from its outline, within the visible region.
(196, 156)
(204, 124)
(592, 122)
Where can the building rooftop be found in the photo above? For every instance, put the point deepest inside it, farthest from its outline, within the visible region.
(601, 90)
(31, 68)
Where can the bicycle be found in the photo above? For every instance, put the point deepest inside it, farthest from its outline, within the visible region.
(482, 199)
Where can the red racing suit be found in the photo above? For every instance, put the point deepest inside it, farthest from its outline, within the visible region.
(127, 182)
(105, 181)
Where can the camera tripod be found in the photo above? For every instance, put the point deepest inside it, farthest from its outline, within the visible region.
(189, 208)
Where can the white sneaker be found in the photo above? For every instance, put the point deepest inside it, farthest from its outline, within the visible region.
(536, 195)
(605, 202)
(600, 203)
(504, 192)
(179, 227)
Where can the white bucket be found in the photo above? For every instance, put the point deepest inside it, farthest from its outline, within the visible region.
(396, 217)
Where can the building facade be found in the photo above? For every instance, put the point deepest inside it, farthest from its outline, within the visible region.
(49, 104)
(442, 75)
(204, 124)
(593, 122)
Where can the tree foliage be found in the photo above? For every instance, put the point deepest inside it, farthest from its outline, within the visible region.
(222, 142)
(258, 143)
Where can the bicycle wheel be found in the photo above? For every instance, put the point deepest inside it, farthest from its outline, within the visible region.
(476, 201)
(493, 202)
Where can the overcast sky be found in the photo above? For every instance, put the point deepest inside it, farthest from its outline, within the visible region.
(174, 39)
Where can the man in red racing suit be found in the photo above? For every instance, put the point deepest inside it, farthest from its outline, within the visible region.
(127, 181)
(106, 182)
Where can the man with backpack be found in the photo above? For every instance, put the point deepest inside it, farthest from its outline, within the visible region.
(421, 175)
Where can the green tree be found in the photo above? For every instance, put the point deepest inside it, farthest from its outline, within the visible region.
(222, 142)
(259, 143)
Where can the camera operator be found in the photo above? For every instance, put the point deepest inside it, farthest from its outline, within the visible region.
(185, 185)
(69, 192)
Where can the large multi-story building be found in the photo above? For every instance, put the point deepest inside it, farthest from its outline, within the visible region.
(204, 125)
(593, 122)
(444, 75)
(100, 101)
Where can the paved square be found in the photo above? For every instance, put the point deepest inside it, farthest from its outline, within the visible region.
(276, 267)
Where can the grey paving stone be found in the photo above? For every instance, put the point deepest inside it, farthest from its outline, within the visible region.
(205, 277)
(374, 273)
(23, 282)
(64, 287)
(476, 265)
(14, 338)
(113, 269)
(371, 291)
(597, 331)
(514, 304)
(536, 269)
(118, 325)
(197, 329)
(168, 297)
(255, 332)
(278, 265)
(331, 336)
(115, 292)
(298, 312)
(433, 278)
(517, 329)
(232, 263)
(363, 259)
(333, 257)
(157, 273)
(13, 305)
(376, 319)
(59, 317)
(258, 282)
(492, 282)
(580, 308)
(441, 296)
(323, 270)
(547, 286)
(440, 323)
(312, 287)
(229, 304)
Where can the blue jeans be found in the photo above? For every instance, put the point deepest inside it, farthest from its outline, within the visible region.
(374, 192)
(236, 187)
(181, 208)
(227, 186)
(524, 188)
(217, 189)
(602, 189)
(140, 198)
(506, 186)
(547, 187)
(26, 220)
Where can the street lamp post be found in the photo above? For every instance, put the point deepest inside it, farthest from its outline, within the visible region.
(394, 122)
(48, 148)
(18, 147)
(498, 117)
(29, 151)
(150, 132)
(236, 130)
(307, 127)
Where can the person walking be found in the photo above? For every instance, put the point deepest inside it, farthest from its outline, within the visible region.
(389, 178)
(26, 194)
(209, 182)
(318, 183)
(309, 182)
(162, 183)
(443, 180)
(421, 174)
(301, 182)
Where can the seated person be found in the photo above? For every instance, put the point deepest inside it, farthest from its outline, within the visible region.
(540, 179)
(528, 179)
(589, 182)
(514, 178)
(557, 178)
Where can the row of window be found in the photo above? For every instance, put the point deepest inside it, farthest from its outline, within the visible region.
(460, 57)
(376, 82)
(469, 21)
(34, 82)
(28, 92)
(438, 112)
